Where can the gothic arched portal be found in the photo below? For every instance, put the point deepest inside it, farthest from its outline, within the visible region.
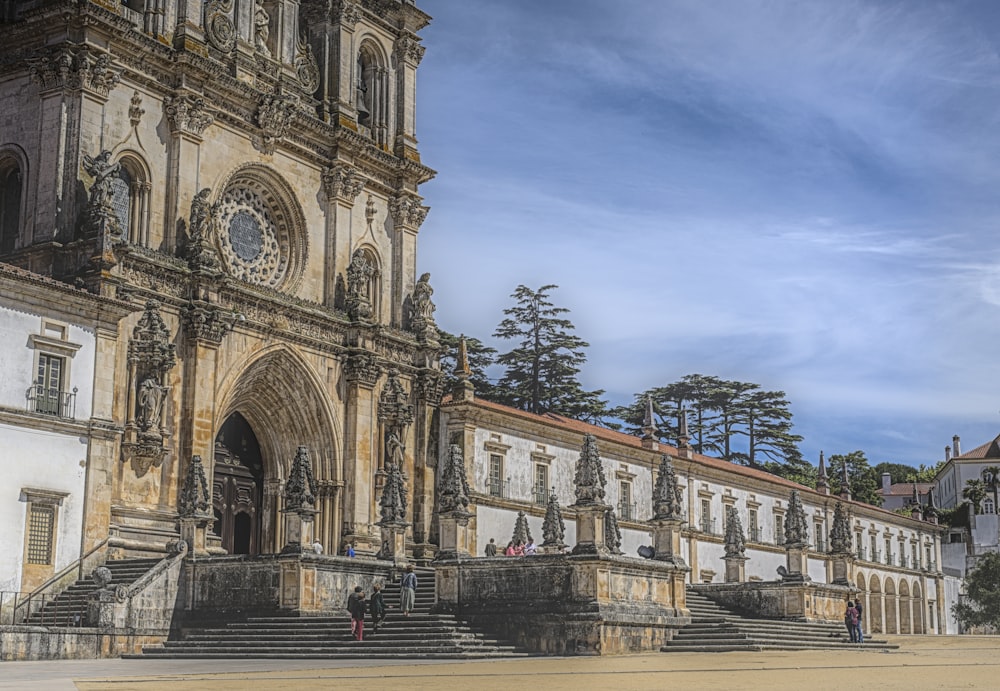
(237, 487)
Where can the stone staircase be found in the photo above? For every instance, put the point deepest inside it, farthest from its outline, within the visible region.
(716, 629)
(69, 608)
(420, 635)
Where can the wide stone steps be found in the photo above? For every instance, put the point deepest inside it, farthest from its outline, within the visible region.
(69, 608)
(714, 628)
(421, 635)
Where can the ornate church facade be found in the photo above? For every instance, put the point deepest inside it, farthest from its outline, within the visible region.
(238, 182)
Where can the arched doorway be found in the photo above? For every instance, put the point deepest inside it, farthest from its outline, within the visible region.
(904, 607)
(283, 404)
(875, 604)
(862, 598)
(237, 487)
(890, 607)
(918, 610)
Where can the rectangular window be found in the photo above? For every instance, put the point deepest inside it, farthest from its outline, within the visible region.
(820, 536)
(625, 509)
(859, 545)
(541, 483)
(752, 526)
(495, 479)
(41, 521)
(916, 556)
(706, 516)
(48, 384)
(888, 550)
(779, 529)
(873, 543)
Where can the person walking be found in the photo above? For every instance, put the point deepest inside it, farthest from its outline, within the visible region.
(376, 605)
(860, 635)
(356, 607)
(851, 621)
(408, 591)
(491, 549)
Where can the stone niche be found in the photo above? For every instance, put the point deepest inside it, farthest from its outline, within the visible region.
(568, 604)
(818, 602)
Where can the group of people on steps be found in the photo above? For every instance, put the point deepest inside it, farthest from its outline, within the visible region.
(358, 605)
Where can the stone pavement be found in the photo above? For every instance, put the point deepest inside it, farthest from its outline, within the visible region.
(924, 662)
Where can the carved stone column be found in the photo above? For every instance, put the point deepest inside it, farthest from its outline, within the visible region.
(796, 545)
(590, 507)
(341, 185)
(453, 500)
(361, 372)
(300, 505)
(841, 555)
(188, 117)
(194, 509)
(668, 515)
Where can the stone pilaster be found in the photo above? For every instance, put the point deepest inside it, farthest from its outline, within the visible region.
(361, 372)
(735, 569)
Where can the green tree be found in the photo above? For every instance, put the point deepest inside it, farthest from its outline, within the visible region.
(991, 478)
(689, 395)
(974, 492)
(541, 371)
(898, 472)
(861, 477)
(980, 606)
(480, 357)
(728, 400)
(766, 422)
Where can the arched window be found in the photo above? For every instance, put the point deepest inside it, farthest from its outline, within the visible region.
(131, 201)
(10, 204)
(988, 506)
(374, 288)
(372, 100)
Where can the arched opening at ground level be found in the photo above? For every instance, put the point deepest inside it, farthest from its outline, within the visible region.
(275, 404)
(904, 607)
(875, 604)
(918, 610)
(237, 487)
(891, 607)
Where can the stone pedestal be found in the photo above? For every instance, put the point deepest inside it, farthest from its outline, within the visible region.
(667, 540)
(393, 542)
(298, 531)
(590, 529)
(735, 569)
(453, 535)
(101, 608)
(797, 560)
(842, 565)
(194, 531)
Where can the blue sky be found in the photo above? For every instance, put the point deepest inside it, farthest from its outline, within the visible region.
(801, 194)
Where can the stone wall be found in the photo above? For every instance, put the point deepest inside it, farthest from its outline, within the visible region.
(237, 586)
(40, 643)
(776, 600)
(567, 604)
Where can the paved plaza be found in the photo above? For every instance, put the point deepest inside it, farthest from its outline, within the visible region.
(932, 662)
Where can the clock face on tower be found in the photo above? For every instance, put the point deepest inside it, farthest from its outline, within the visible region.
(253, 241)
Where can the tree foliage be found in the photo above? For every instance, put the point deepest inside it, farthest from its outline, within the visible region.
(541, 370)
(974, 492)
(901, 473)
(981, 604)
(862, 478)
(480, 356)
(737, 421)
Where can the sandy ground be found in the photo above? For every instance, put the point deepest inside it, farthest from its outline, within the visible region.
(931, 662)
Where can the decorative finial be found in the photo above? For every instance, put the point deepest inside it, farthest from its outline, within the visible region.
(822, 485)
(462, 370)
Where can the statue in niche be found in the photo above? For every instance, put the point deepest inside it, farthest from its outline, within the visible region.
(394, 450)
(261, 29)
(200, 211)
(104, 172)
(359, 274)
(361, 93)
(150, 400)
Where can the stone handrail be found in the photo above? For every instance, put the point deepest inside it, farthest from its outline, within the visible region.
(179, 550)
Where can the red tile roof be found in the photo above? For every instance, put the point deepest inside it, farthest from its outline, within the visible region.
(990, 449)
(905, 489)
(570, 424)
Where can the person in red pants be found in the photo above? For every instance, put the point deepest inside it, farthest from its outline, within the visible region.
(356, 606)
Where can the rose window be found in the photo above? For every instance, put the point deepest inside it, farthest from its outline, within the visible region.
(252, 240)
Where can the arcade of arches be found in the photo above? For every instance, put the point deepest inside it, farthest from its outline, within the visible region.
(893, 606)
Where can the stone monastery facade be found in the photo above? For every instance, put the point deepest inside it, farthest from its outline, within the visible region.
(209, 215)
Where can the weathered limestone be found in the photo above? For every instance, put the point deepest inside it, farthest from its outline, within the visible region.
(796, 542)
(591, 511)
(300, 503)
(453, 502)
(735, 547)
(796, 601)
(668, 513)
(585, 604)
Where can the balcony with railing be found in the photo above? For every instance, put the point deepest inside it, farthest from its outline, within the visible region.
(861, 554)
(498, 488)
(708, 526)
(627, 511)
(820, 545)
(539, 495)
(754, 535)
(50, 401)
(779, 538)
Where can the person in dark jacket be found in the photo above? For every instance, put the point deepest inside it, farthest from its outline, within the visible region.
(376, 605)
(408, 590)
(356, 606)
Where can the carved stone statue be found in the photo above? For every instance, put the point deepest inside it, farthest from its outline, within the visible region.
(553, 527)
(394, 450)
(392, 505)
(150, 400)
(667, 495)
(359, 276)
(522, 531)
(423, 307)
(261, 29)
(590, 480)
(104, 172)
(200, 213)
(453, 494)
(840, 532)
(796, 529)
(612, 533)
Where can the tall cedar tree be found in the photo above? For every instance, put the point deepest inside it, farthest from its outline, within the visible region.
(481, 357)
(861, 476)
(980, 606)
(718, 411)
(541, 374)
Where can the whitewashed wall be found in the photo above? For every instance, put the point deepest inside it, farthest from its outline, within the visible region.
(40, 460)
(17, 360)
